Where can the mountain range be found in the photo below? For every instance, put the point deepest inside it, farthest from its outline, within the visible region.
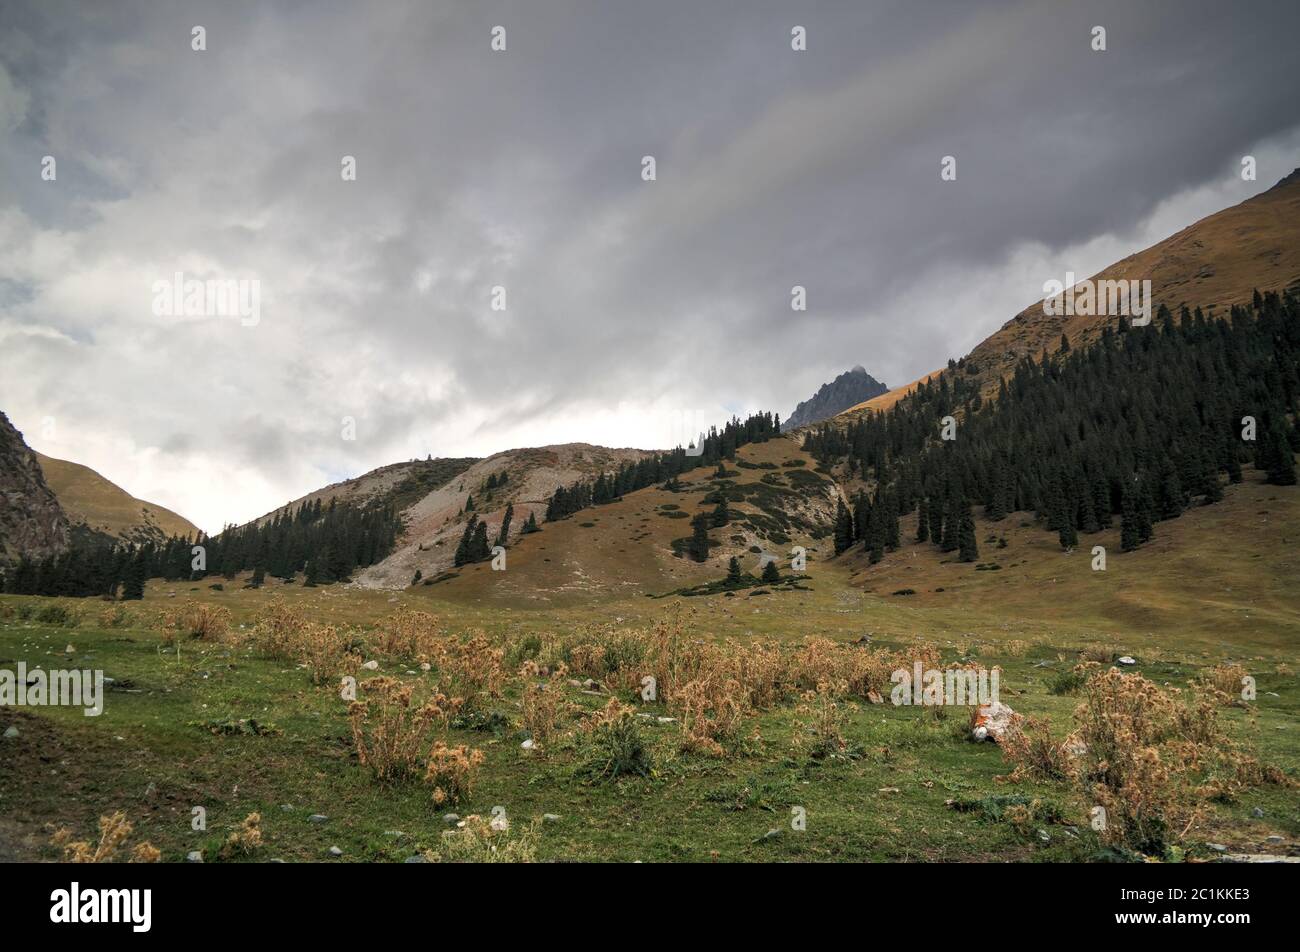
(780, 495)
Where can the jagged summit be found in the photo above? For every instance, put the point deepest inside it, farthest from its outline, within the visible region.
(847, 390)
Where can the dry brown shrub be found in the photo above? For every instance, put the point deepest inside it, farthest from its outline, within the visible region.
(451, 771)
(114, 830)
(545, 706)
(209, 622)
(860, 671)
(326, 652)
(409, 634)
(821, 732)
(1099, 653)
(391, 734)
(1035, 753)
(713, 711)
(473, 668)
(478, 841)
(1222, 684)
(278, 632)
(115, 616)
(246, 839)
(765, 672)
(1150, 758)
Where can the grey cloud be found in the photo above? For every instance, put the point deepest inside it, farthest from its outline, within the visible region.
(522, 169)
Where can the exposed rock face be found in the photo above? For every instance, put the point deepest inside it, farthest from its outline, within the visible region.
(31, 521)
(847, 390)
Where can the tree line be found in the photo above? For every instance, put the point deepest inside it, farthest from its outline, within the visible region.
(1138, 427)
(326, 543)
(663, 468)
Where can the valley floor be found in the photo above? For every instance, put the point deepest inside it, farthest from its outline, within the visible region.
(218, 725)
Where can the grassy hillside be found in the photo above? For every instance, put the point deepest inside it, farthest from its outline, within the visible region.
(627, 547)
(1214, 263)
(436, 518)
(177, 730)
(104, 507)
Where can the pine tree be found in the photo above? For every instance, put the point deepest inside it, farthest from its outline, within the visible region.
(479, 551)
(889, 522)
(966, 544)
(721, 515)
(1146, 531)
(771, 574)
(133, 583)
(923, 521)
(951, 527)
(504, 534)
(531, 525)
(1068, 536)
(462, 555)
(699, 544)
(1128, 527)
(843, 527)
(1275, 457)
(733, 573)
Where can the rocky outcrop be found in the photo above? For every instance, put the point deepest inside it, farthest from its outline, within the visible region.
(31, 521)
(847, 390)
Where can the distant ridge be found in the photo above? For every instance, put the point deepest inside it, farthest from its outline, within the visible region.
(847, 390)
(1214, 263)
(103, 508)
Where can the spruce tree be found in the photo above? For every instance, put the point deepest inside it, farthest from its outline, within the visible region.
(843, 527)
(889, 522)
(951, 526)
(479, 550)
(721, 515)
(968, 548)
(771, 574)
(462, 549)
(504, 534)
(1069, 538)
(733, 573)
(699, 544)
(923, 521)
(1275, 457)
(1128, 527)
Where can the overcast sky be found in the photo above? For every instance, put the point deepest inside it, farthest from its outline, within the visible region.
(631, 306)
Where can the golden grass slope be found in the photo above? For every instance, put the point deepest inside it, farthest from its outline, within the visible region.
(624, 549)
(1213, 264)
(89, 498)
(434, 522)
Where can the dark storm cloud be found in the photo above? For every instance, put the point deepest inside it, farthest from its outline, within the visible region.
(627, 300)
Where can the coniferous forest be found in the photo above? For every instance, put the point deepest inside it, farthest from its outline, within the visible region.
(663, 467)
(324, 542)
(1137, 428)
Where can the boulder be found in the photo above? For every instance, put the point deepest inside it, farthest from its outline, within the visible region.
(991, 721)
